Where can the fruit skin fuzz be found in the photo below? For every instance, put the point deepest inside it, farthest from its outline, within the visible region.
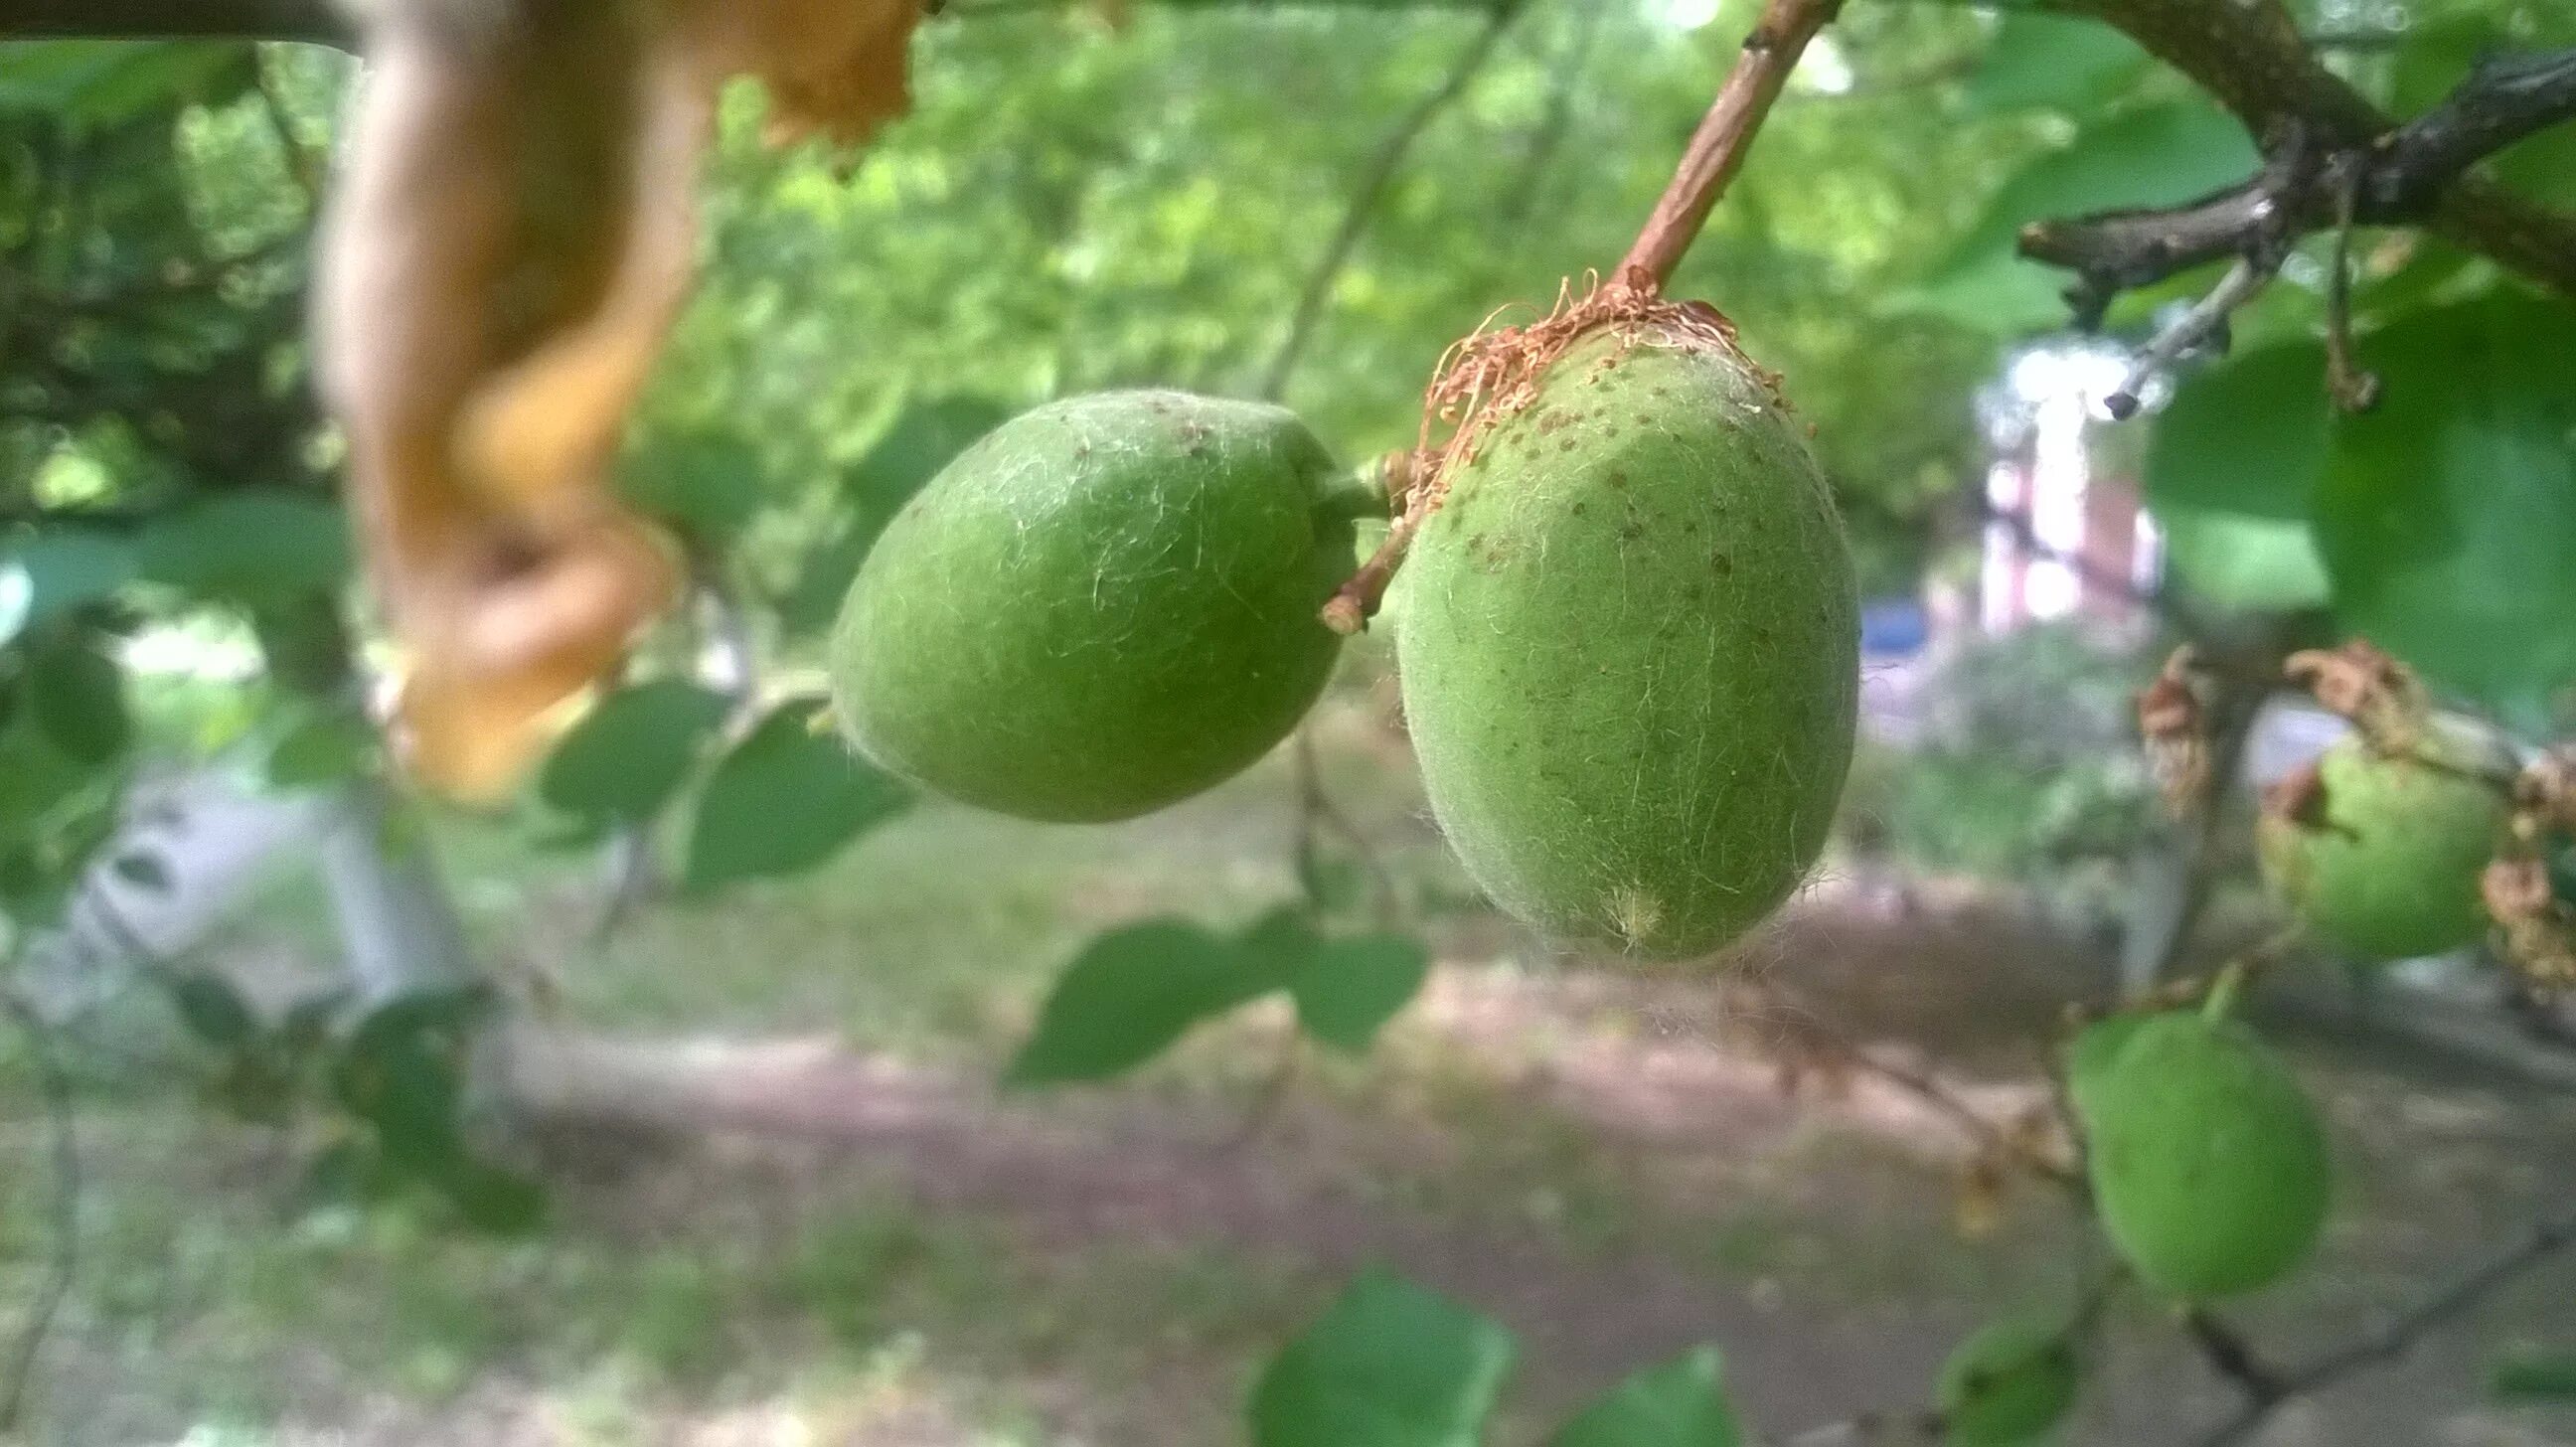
(1105, 606)
(1629, 640)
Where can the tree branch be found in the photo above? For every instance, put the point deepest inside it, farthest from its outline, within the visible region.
(2252, 59)
(1372, 189)
(2267, 1391)
(317, 21)
(1718, 147)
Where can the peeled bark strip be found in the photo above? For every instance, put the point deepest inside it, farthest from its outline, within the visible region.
(503, 259)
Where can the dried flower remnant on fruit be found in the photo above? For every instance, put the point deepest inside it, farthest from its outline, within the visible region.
(1490, 377)
(2173, 720)
(2366, 685)
(2530, 903)
(2379, 850)
(509, 244)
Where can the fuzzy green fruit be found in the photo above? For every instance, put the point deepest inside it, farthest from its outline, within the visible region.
(2207, 1161)
(2008, 1384)
(1105, 606)
(1630, 649)
(2381, 855)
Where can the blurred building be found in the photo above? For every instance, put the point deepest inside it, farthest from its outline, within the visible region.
(2066, 534)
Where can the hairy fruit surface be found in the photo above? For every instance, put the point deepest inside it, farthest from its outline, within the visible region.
(1105, 606)
(1630, 646)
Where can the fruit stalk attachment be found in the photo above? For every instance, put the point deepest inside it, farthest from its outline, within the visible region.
(1463, 388)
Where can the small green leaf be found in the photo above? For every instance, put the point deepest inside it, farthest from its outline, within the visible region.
(2231, 472)
(706, 483)
(2535, 1374)
(325, 748)
(925, 438)
(822, 580)
(251, 546)
(1389, 1365)
(2054, 61)
(2153, 155)
(629, 755)
(98, 83)
(787, 798)
(1682, 1403)
(212, 1009)
(2447, 514)
(44, 576)
(1127, 997)
(77, 694)
(488, 1198)
(1348, 988)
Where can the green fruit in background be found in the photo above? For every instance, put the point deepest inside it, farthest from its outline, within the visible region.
(1106, 605)
(2380, 855)
(2208, 1163)
(1630, 649)
(2090, 1055)
(2008, 1384)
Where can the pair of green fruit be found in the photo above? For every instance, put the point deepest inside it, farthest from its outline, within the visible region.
(2208, 1169)
(1629, 646)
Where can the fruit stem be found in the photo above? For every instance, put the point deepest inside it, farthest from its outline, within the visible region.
(1718, 147)
(1356, 601)
(2223, 990)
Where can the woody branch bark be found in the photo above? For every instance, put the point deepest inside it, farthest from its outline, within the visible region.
(2252, 59)
(1725, 135)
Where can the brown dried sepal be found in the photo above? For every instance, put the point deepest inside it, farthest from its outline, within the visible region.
(2544, 796)
(2174, 722)
(2535, 929)
(1494, 374)
(2381, 696)
(501, 263)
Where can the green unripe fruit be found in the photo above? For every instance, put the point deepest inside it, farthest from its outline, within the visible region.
(1630, 649)
(2207, 1162)
(2380, 854)
(1106, 605)
(2008, 1384)
(2090, 1055)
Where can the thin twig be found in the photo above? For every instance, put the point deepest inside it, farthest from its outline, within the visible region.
(1372, 189)
(2206, 319)
(1990, 1134)
(55, 1081)
(1276, 1088)
(1522, 201)
(2544, 1240)
(2353, 389)
(2232, 1356)
(1725, 135)
(1317, 813)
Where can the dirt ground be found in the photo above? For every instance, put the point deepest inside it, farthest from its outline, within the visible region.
(766, 1240)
